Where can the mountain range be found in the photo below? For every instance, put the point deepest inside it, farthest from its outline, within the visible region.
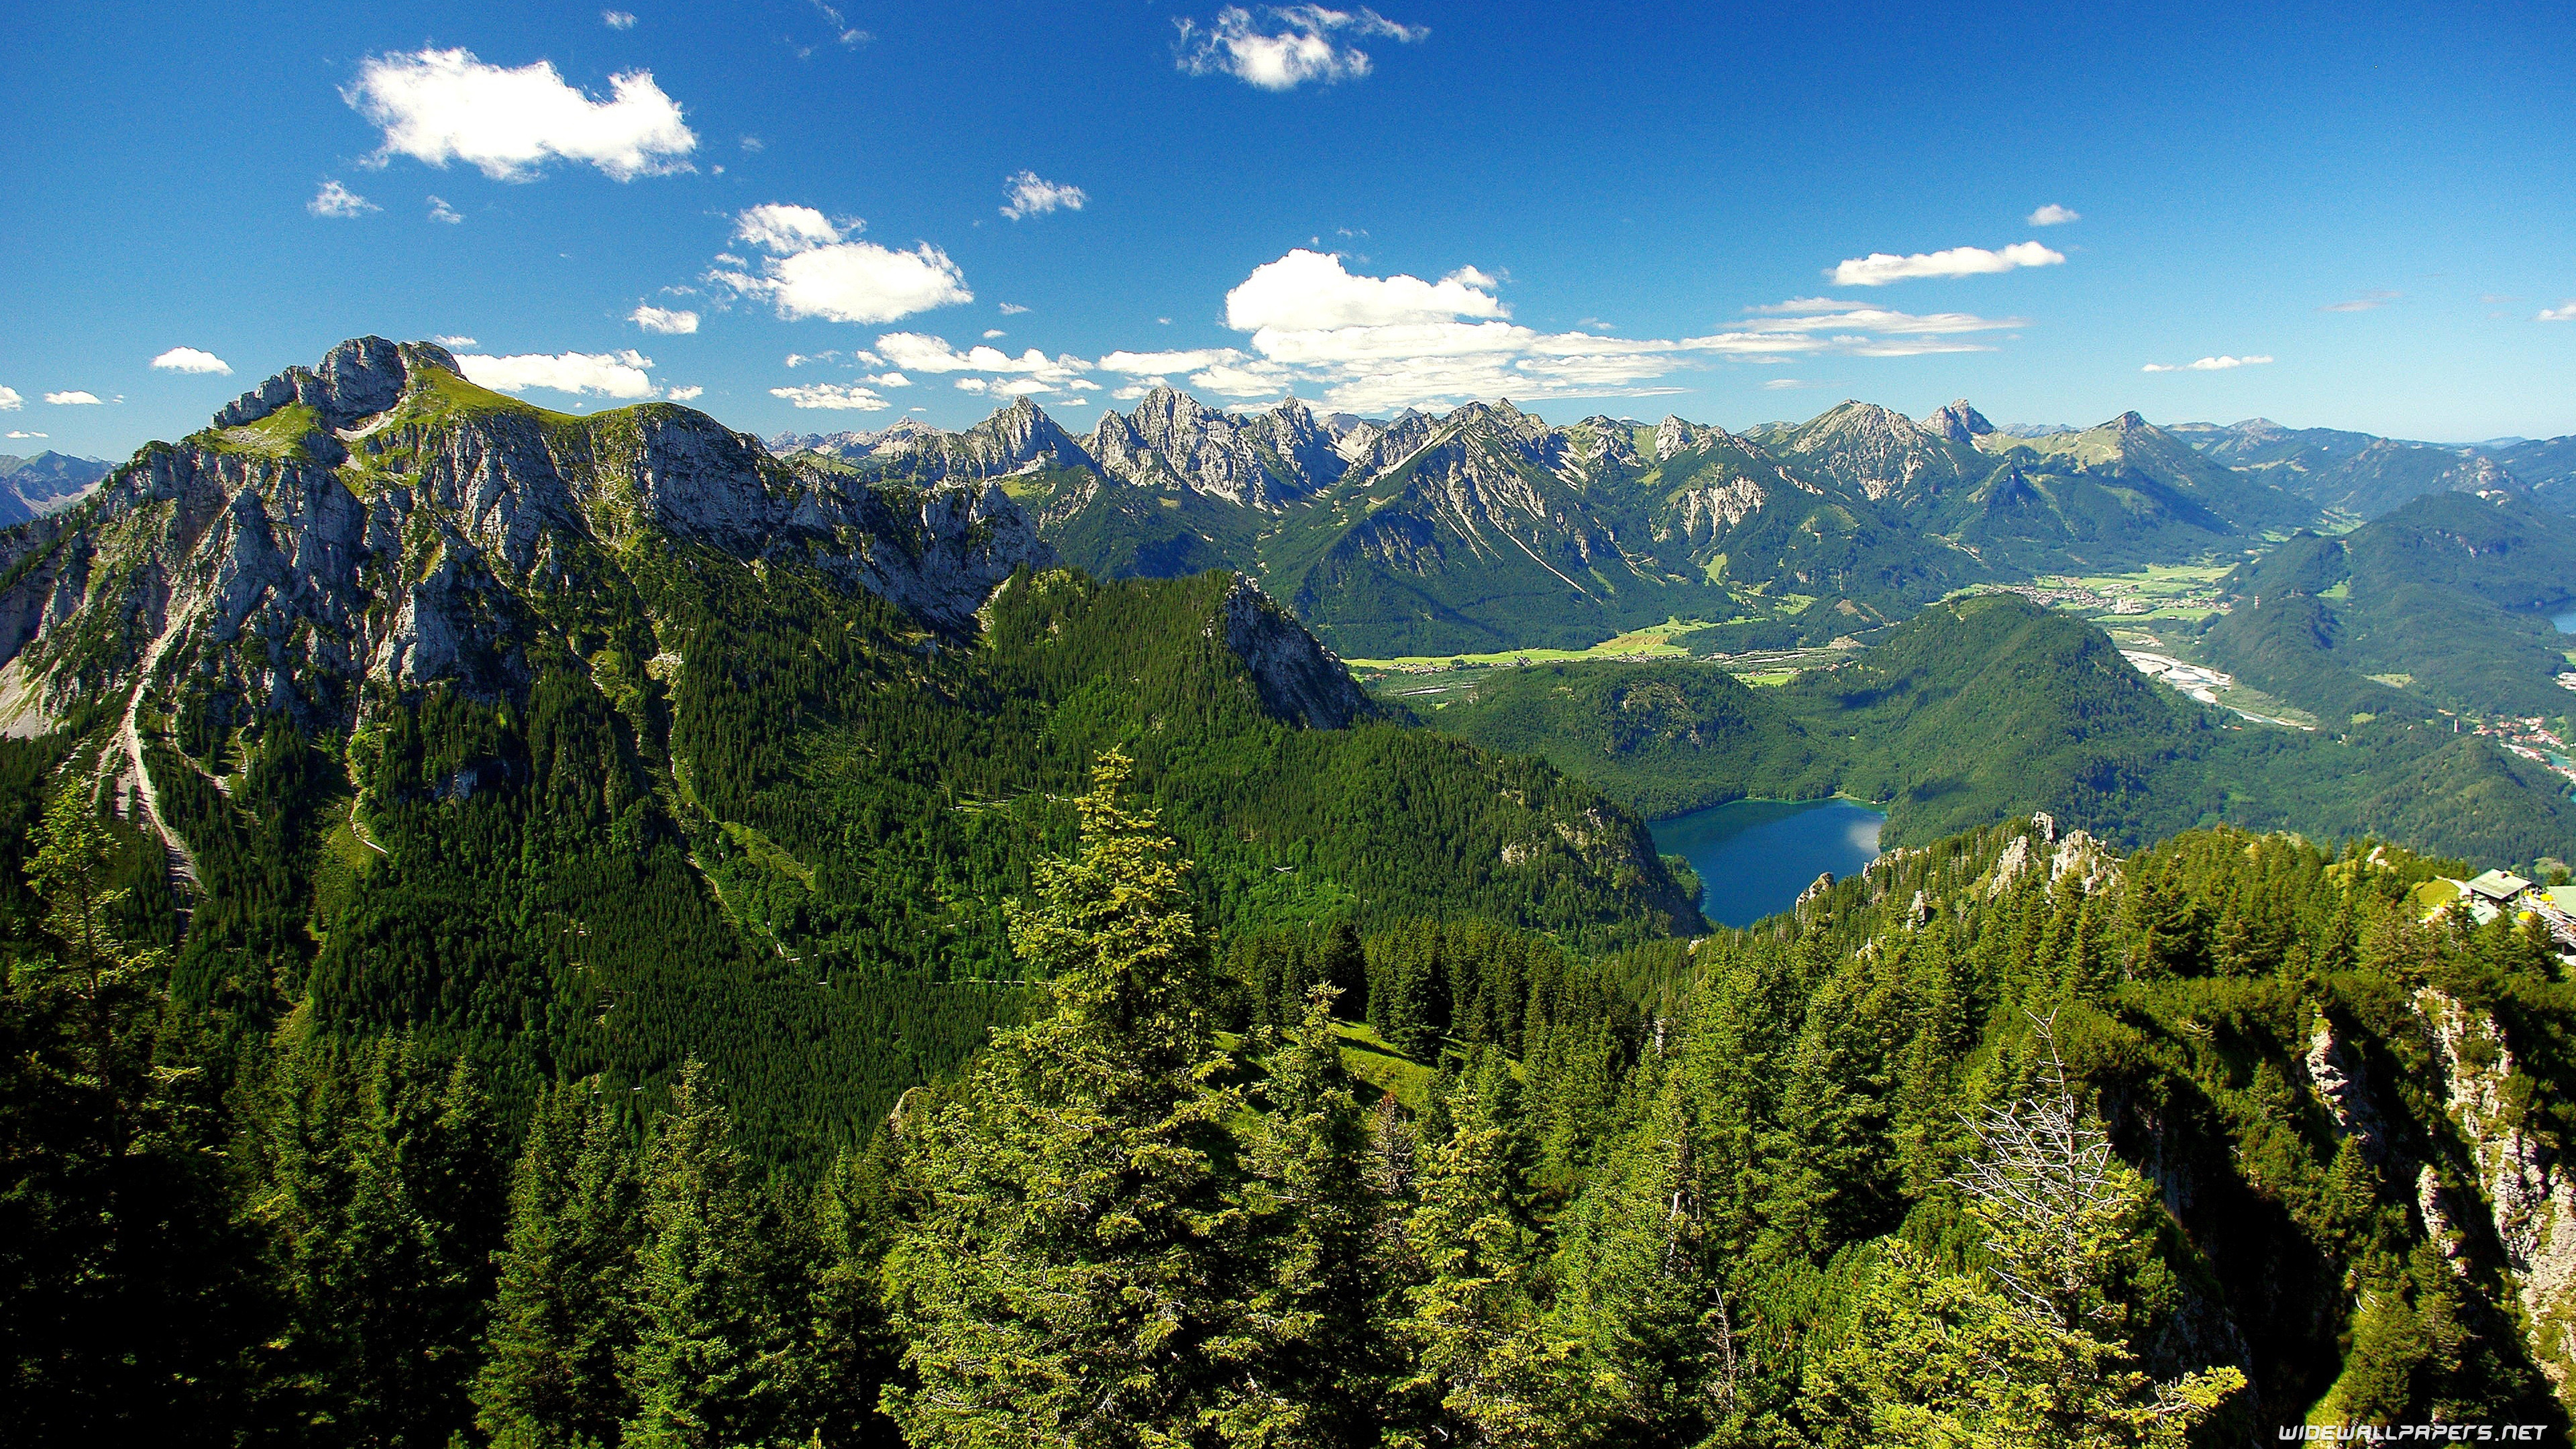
(1488, 528)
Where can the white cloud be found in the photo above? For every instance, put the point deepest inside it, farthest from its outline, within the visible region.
(2565, 311)
(1285, 46)
(842, 30)
(685, 394)
(454, 341)
(335, 199)
(921, 353)
(1139, 388)
(834, 396)
(816, 271)
(664, 320)
(15, 433)
(778, 227)
(190, 359)
(10, 402)
(611, 374)
(2366, 302)
(1880, 268)
(2054, 215)
(617, 19)
(1030, 195)
(439, 210)
(1825, 314)
(2206, 364)
(1306, 290)
(1012, 309)
(1779, 384)
(972, 384)
(992, 332)
(1156, 363)
(889, 379)
(74, 398)
(439, 106)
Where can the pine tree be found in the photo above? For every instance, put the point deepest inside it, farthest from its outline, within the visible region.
(563, 1321)
(1641, 1285)
(715, 1361)
(1473, 1325)
(128, 1288)
(386, 1197)
(1312, 1216)
(1072, 1276)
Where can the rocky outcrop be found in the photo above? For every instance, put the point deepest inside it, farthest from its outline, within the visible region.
(360, 378)
(1299, 679)
(2530, 1197)
(1020, 438)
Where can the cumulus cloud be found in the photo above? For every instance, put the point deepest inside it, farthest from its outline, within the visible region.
(617, 19)
(664, 320)
(2565, 311)
(992, 332)
(454, 341)
(10, 402)
(1282, 47)
(833, 396)
(2366, 302)
(439, 210)
(1880, 268)
(438, 106)
(685, 394)
(610, 374)
(76, 397)
(1307, 290)
(1154, 364)
(191, 359)
(816, 269)
(2054, 215)
(1029, 194)
(919, 353)
(2206, 364)
(335, 199)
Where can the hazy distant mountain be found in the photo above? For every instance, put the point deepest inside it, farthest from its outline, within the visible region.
(34, 487)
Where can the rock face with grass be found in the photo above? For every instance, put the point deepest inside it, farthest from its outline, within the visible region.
(380, 520)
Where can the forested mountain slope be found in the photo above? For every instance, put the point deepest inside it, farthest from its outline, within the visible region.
(1983, 707)
(583, 743)
(2442, 605)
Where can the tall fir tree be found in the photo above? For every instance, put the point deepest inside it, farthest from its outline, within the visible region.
(717, 1361)
(564, 1320)
(1473, 1327)
(1075, 1275)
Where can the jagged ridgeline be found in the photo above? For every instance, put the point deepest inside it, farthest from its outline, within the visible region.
(585, 743)
(1489, 529)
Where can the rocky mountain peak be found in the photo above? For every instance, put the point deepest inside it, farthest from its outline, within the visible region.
(358, 379)
(1959, 423)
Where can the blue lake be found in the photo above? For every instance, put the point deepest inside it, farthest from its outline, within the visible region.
(1754, 856)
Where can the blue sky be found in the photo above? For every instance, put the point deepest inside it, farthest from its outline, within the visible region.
(1589, 209)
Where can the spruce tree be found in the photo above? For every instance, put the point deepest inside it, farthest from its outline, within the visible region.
(715, 1361)
(1319, 1379)
(1473, 1326)
(563, 1319)
(1073, 1276)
